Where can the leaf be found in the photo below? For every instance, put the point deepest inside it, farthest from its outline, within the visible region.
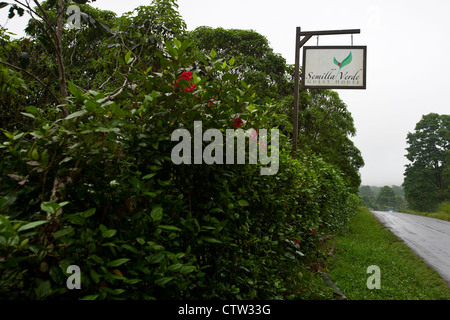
(76, 114)
(3, 4)
(89, 213)
(15, 176)
(118, 262)
(155, 258)
(11, 12)
(177, 43)
(50, 207)
(32, 225)
(148, 176)
(128, 58)
(346, 60)
(187, 269)
(133, 281)
(95, 276)
(118, 291)
(336, 62)
(161, 282)
(73, 89)
(32, 109)
(107, 233)
(3, 201)
(243, 203)
(166, 227)
(157, 213)
(175, 267)
(28, 115)
(43, 290)
(130, 248)
(211, 240)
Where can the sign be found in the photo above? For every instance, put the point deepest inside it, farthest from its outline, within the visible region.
(334, 67)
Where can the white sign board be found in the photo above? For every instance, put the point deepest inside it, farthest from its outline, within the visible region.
(334, 67)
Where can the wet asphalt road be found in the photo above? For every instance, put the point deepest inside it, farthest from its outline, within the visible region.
(427, 237)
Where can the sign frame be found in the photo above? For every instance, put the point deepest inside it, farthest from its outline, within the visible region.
(326, 86)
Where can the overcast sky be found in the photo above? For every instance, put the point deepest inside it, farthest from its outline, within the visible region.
(408, 59)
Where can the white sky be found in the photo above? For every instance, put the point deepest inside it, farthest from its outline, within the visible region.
(408, 67)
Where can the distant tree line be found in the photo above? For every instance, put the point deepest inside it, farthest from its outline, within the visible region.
(382, 198)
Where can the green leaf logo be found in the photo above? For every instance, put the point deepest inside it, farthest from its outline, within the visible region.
(345, 62)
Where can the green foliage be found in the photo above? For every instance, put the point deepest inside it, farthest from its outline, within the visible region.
(198, 231)
(386, 197)
(325, 129)
(404, 276)
(98, 188)
(426, 181)
(325, 124)
(255, 61)
(381, 199)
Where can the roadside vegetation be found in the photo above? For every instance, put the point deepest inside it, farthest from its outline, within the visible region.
(382, 198)
(404, 276)
(87, 178)
(442, 212)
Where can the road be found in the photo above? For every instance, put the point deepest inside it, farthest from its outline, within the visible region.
(427, 237)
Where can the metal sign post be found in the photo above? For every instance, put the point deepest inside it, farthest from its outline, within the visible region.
(298, 44)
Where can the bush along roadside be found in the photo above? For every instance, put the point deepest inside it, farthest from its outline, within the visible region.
(99, 190)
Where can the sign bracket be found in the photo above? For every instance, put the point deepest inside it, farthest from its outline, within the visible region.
(299, 43)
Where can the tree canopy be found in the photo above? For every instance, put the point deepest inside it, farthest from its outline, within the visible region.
(426, 183)
(255, 61)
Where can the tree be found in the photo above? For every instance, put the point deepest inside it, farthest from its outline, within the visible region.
(425, 180)
(89, 55)
(386, 198)
(325, 126)
(52, 29)
(255, 61)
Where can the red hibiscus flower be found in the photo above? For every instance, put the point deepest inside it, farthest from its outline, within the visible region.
(191, 88)
(237, 122)
(186, 75)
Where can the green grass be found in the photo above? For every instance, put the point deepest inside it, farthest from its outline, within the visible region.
(404, 276)
(442, 212)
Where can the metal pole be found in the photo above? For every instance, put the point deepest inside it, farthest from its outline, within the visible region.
(298, 44)
(296, 89)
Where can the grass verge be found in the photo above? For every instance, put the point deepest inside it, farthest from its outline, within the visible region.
(442, 212)
(404, 276)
